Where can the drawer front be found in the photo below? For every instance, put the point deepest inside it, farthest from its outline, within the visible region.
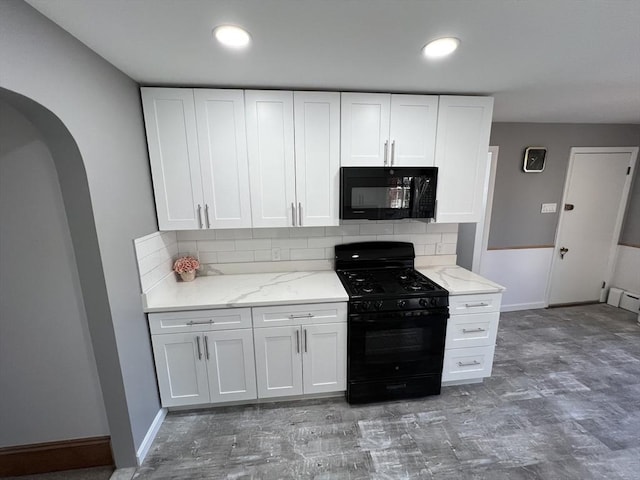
(200, 320)
(283, 315)
(472, 330)
(467, 363)
(489, 302)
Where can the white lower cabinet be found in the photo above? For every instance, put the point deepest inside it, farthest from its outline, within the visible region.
(471, 337)
(305, 356)
(210, 363)
(208, 356)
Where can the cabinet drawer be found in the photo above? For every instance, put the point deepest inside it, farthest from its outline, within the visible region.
(200, 320)
(489, 302)
(472, 330)
(467, 363)
(283, 315)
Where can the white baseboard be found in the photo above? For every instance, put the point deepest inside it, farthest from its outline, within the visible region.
(141, 454)
(522, 306)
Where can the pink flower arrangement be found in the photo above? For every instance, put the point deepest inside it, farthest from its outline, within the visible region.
(186, 264)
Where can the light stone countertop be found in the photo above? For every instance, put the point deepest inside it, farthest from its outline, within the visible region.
(246, 290)
(460, 281)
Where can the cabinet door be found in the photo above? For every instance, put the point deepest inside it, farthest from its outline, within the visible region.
(278, 361)
(172, 139)
(317, 146)
(413, 130)
(464, 125)
(324, 359)
(223, 158)
(365, 129)
(271, 158)
(230, 365)
(181, 370)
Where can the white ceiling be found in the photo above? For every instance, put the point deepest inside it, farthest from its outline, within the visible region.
(543, 60)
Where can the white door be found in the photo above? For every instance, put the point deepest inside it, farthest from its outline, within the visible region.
(271, 157)
(464, 125)
(181, 370)
(595, 196)
(170, 122)
(324, 358)
(230, 365)
(317, 146)
(365, 129)
(223, 158)
(413, 130)
(278, 361)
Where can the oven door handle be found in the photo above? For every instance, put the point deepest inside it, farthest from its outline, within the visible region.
(381, 318)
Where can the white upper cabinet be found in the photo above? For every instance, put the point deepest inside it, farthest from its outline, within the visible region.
(317, 148)
(365, 129)
(294, 177)
(464, 126)
(271, 157)
(223, 158)
(381, 129)
(170, 122)
(198, 152)
(413, 130)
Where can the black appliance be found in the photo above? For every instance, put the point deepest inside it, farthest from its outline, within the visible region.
(397, 320)
(378, 193)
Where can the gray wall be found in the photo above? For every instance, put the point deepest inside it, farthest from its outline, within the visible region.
(46, 358)
(516, 220)
(100, 108)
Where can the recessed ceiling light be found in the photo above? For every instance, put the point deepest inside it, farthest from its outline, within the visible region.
(441, 47)
(232, 36)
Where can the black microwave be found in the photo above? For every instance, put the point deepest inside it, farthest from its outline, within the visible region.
(385, 193)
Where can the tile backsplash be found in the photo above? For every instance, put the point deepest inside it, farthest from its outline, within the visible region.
(246, 250)
(155, 253)
(313, 245)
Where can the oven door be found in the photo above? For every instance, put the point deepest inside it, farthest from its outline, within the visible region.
(396, 344)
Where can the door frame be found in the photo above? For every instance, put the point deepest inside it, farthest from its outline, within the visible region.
(481, 241)
(619, 218)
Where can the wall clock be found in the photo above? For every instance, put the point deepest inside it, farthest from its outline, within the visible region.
(534, 159)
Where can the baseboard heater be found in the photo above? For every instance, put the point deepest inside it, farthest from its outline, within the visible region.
(623, 299)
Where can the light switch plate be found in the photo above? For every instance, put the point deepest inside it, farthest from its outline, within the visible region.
(549, 208)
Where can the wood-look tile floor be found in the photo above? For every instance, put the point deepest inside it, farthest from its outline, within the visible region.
(563, 403)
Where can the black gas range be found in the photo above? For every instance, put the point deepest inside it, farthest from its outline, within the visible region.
(397, 320)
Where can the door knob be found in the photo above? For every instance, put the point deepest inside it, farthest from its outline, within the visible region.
(563, 250)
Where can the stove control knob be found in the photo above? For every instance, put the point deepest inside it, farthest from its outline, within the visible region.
(434, 301)
(424, 302)
(402, 303)
(379, 304)
(366, 306)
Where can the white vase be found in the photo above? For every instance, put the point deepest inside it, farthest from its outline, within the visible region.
(188, 276)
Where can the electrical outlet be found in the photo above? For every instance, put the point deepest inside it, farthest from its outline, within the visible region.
(439, 248)
(549, 208)
(275, 254)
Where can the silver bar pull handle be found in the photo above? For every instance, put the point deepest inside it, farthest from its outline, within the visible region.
(305, 340)
(199, 351)
(304, 315)
(386, 149)
(297, 341)
(206, 215)
(199, 216)
(473, 330)
(393, 151)
(299, 214)
(203, 322)
(472, 305)
(206, 347)
(470, 364)
(293, 214)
